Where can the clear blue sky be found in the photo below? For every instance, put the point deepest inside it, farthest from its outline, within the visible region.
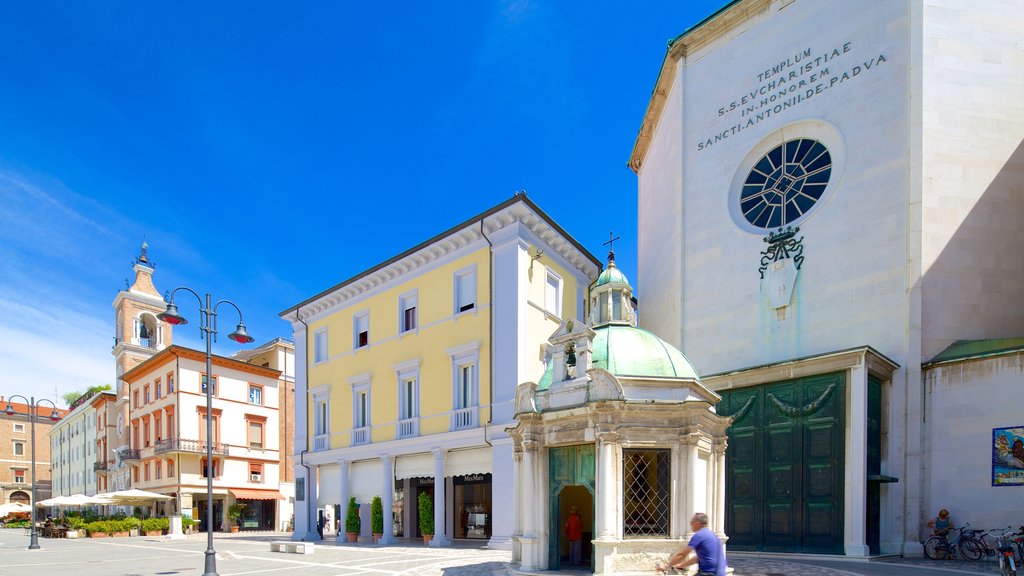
(267, 151)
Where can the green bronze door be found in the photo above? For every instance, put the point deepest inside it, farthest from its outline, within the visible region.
(568, 466)
(784, 472)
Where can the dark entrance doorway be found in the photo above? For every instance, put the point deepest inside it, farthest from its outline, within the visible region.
(429, 491)
(218, 515)
(571, 479)
(785, 466)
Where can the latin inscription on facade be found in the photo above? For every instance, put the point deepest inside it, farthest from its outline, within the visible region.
(788, 83)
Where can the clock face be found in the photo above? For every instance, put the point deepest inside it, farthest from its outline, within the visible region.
(786, 183)
(120, 424)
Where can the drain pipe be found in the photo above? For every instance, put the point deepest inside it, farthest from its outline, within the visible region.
(490, 328)
(302, 455)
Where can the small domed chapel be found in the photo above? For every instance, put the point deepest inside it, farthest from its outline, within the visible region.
(620, 428)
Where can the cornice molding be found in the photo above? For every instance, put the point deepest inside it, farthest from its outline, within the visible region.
(459, 242)
(689, 42)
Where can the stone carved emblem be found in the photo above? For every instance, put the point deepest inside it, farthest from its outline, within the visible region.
(780, 265)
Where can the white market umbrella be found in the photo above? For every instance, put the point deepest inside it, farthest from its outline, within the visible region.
(73, 500)
(12, 507)
(133, 496)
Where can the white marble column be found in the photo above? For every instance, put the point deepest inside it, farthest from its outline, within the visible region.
(439, 539)
(719, 487)
(343, 496)
(387, 498)
(608, 489)
(857, 463)
(517, 499)
(692, 505)
(529, 542)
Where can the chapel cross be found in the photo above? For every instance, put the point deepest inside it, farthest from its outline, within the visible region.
(611, 249)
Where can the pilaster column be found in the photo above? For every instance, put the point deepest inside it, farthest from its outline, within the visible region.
(517, 499)
(719, 520)
(439, 539)
(343, 491)
(856, 464)
(387, 498)
(609, 488)
(692, 505)
(503, 495)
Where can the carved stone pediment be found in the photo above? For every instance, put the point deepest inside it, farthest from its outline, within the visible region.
(571, 331)
(525, 394)
(604, 385)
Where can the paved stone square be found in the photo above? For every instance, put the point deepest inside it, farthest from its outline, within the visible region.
(250, 554)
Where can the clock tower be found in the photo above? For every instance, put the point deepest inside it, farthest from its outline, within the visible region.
(138, 335)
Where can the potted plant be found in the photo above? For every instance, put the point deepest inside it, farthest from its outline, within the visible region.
(426, 510)
(75, 524)
(133, 525)
(98, 529)
(188, 524)
(119, 528)
(352, 522)
(377, 518)
(235, 515)
(155, 526)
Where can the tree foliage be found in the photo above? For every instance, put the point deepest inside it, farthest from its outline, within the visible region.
(72, 397)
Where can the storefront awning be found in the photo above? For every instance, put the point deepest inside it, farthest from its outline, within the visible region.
(253, 494)
(462, 462)
(329, 485)
(414, 466)
(367, 480)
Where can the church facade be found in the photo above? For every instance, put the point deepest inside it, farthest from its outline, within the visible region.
(829, 204)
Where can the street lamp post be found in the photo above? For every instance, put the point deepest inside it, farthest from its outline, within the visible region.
(208, 331)
(32, 406)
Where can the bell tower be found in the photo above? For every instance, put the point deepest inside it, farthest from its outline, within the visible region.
(138, 333)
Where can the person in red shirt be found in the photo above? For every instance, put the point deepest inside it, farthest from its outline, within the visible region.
(574, 530)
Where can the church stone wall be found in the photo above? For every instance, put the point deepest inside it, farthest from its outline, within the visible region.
(851, 85)
(965, 402)
(973, 167)
(661, 235)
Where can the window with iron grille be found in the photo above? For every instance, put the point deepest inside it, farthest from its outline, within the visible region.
(647, 497)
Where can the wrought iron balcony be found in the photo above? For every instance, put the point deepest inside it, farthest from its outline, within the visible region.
(100, 466)
(185, 445)
(128, 454)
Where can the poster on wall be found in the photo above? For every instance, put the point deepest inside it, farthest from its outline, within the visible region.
(1008, 456)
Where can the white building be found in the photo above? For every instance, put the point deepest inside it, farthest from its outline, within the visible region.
(73, 448)
(888, 136)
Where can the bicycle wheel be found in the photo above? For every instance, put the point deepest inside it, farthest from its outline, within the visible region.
(970, 549)
(936, 547)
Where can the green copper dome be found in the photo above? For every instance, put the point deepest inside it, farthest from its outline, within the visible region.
(630, 351)
(611, 274)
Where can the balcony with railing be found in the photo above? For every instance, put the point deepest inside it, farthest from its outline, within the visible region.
(360, 435)
(185, 445)
(128, 454)
(100, 466)
(464, 418)
(321, 442)
(408, 428)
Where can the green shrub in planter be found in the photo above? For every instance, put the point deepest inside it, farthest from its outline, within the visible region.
(155, 524)
(352, 522)
(426, 509)
(377, 516)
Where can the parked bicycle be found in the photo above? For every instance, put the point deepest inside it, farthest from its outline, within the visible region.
(975, 546)
(939, 547)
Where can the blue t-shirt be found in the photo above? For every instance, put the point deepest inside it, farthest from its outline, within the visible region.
(710, 554)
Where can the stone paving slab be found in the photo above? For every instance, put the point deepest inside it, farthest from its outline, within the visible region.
(246, 554)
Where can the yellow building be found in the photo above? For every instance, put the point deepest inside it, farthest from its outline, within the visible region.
(406, 374)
